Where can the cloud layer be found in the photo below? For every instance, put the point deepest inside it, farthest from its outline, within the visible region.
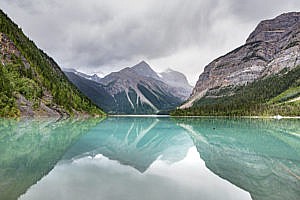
(100, 35)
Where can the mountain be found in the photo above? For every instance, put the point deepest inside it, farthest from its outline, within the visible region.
(177, 80)
(244, 81)
(95, 91)
(135, 90)
(143, 69)
(93, 77)
(31, 83)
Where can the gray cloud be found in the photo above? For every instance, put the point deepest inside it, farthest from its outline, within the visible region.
(258, 10)
(105, 35)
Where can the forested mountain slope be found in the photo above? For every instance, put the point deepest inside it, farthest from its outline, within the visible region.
(31, 83)
(273, 95)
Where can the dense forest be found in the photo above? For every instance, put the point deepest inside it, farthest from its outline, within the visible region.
(27, 71)
(272, 95)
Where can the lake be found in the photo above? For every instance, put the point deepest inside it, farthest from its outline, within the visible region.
(150, 158)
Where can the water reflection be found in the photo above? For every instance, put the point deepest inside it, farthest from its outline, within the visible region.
(29, 149)
(136, 142)
(133, 158)
(260, 156)
(101, 178)
(150, 158)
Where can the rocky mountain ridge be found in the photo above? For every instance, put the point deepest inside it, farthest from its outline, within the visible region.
(273, 46)
(135, 90)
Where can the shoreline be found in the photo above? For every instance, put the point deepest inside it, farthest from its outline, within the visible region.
(152, 116)
(139, 115)
(249, 117)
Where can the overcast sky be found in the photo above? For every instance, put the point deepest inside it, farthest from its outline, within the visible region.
(107, 35)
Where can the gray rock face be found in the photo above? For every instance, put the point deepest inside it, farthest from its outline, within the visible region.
(178, 80)
(275, 30)
(271, 47)
(142, 74)
(8, 49)
(143, 69)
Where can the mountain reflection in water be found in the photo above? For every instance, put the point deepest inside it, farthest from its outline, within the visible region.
(29, 149)
(151, 158)
(260, 156)
(137, 142)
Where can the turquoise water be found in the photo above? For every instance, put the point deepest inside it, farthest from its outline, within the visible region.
(130, 158)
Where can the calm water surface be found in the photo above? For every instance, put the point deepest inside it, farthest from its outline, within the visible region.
(150, 158)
